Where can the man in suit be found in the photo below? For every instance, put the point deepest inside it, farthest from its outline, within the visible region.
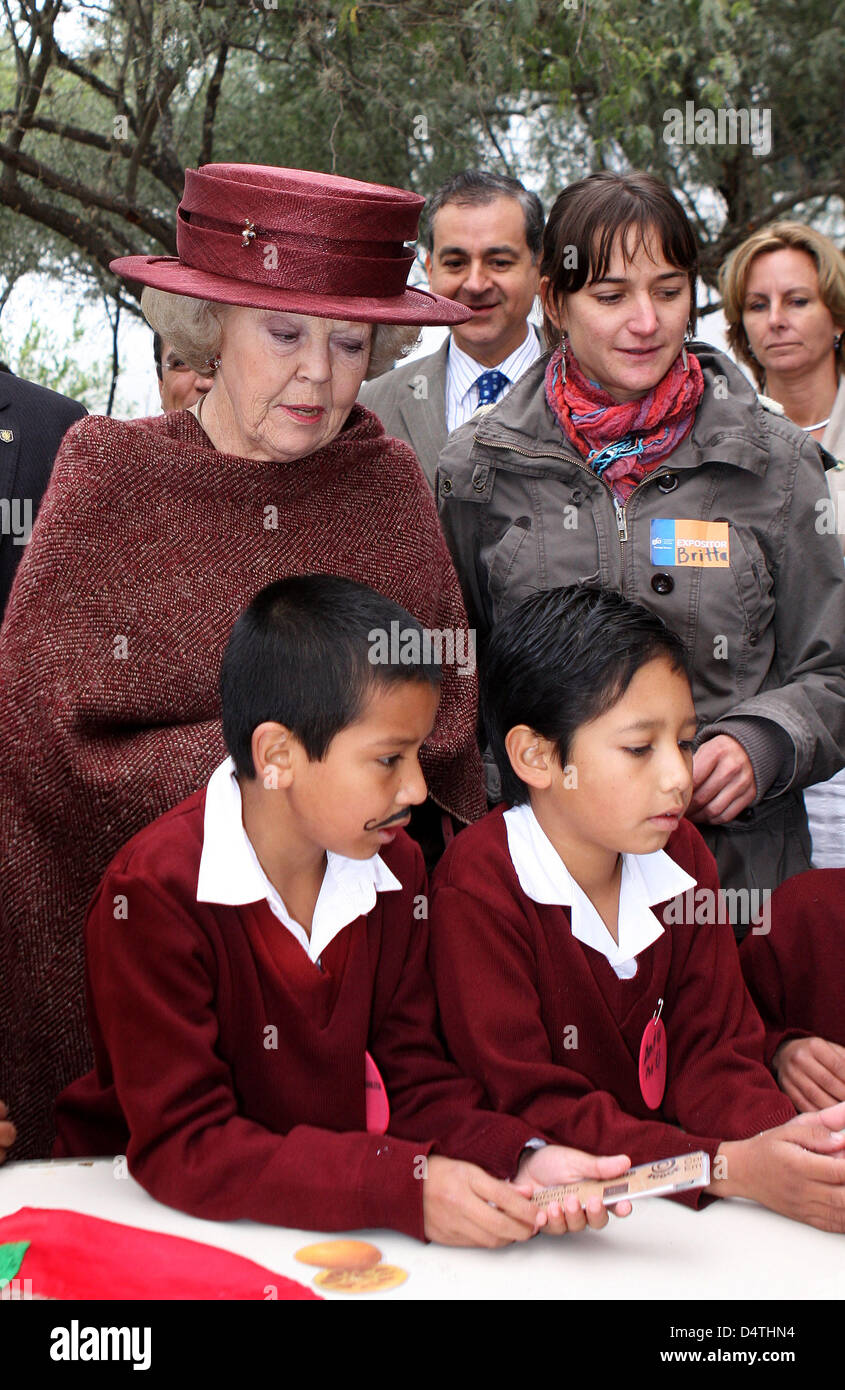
(32, 423)
(484, 236)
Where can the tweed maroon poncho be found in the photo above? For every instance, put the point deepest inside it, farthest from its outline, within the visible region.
(148, 545)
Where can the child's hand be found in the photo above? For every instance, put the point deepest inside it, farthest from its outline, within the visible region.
(7, 1131)
(797, 1169)
(457, 1206)
(811, 1071)
(554, 1165)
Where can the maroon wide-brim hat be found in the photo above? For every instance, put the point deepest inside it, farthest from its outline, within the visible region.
(311, 243)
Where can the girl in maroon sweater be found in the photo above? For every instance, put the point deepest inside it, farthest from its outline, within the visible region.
(574, 980)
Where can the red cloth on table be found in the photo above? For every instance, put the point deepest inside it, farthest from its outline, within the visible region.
(76, 1256)
(512, 980)
(148, 545)
(224, 1119)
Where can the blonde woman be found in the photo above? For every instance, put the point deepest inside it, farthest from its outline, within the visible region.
(784, 299)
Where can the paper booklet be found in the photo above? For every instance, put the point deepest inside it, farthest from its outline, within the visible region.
(647, 1180)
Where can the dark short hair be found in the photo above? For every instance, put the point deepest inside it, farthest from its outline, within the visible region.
(560, 659)
(157, 354)
(585, 219)
(478, 187)
(301, 655)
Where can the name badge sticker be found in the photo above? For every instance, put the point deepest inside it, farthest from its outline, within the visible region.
(702, 544)
(375, 1091)
(652, 1065)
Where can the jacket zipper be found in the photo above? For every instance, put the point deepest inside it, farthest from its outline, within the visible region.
(618, 507)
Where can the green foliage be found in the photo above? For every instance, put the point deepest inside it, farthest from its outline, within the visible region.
(114, 106)
(51, 361)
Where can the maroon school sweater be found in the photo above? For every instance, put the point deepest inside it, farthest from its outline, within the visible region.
(796, 972)
(512, 981)
(230, 1069)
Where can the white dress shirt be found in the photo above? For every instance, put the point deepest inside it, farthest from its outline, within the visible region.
(462, 373)
(646, 879)
(230, 873)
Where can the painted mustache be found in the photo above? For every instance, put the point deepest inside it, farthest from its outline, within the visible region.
(392, 820)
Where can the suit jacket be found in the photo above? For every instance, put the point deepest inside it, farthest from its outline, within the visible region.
(33, 421)
(410, 401)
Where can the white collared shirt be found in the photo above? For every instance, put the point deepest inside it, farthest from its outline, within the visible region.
(231, 874)
(646, 879)
(462, 373)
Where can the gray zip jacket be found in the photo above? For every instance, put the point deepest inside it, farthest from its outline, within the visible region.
(766, 632)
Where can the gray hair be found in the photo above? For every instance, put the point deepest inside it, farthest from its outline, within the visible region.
(194, 327)
(478, 187)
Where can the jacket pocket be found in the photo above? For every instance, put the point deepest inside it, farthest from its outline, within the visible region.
(503, 558)
(754, 584)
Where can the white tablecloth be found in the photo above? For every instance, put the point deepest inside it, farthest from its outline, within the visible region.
(731, 1250)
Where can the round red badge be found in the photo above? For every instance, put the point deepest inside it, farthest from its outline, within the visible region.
(653, 1060)
(378, 1106)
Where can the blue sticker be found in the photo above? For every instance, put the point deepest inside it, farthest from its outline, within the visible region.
(663, 542)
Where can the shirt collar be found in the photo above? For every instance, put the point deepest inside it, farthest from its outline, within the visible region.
(647, 879)
(230, 872)
(466, 367)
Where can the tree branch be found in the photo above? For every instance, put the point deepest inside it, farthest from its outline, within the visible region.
(485, 121)
(211, 99)
(166, 170)
(70, 65)
(162, 95)
(30, 83)
(822, 188)
(155, 227)
(77, 229)
(115, 358)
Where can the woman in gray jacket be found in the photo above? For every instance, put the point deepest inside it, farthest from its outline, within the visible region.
(631, 459)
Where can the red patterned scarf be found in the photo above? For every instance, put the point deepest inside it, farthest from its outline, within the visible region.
(623, 441)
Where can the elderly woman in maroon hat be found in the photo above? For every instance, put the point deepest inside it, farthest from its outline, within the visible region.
(155, 534)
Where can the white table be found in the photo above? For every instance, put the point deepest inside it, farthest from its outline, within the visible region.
(731, 1250)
